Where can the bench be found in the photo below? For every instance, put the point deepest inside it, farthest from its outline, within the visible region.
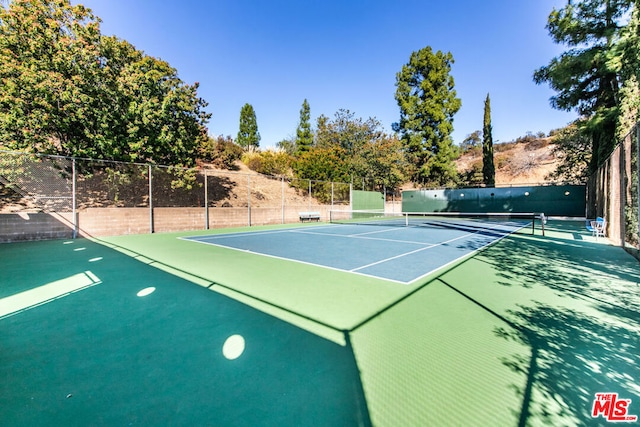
(309, 216)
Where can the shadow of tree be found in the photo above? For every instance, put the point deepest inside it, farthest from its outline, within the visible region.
(582, 268)
(575, 356)
(585, 334)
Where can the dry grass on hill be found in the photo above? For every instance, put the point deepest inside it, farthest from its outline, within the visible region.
(518, 163)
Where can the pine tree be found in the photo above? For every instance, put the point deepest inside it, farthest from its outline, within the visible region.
(248, 135)
(584, 77)
(427, 100)
(488, 168)
(304, 134)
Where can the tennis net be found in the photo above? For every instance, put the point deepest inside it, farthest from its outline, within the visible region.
(511, 222)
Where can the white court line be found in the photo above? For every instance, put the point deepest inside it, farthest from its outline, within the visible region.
(418, 250)
(246, 233)
(359, 236)
(231, 235)
(246, 251)
(377, 231)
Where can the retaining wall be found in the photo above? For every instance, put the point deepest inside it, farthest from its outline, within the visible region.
(96, 222)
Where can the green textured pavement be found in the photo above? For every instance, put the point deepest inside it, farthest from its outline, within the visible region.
(523, 333)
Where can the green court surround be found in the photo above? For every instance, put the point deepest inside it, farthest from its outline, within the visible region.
(523, 333)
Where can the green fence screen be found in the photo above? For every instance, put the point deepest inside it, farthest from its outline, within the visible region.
(560, 200)
(367, 200)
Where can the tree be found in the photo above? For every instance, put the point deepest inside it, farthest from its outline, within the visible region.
(386, 164)
(626, 61)
(221, 152)
(48, 71)
(66, 89)
(346, 131)
(427, 100)
(248, 135)
(323, 164)
(488, 168)
(163, 118)
(349, 147)
(584, 77)
(351, 134)
(304, 134)
(572, 148)
(471, 142)
(288, 145)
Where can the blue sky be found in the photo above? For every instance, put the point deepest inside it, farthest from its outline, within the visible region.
(344, 54)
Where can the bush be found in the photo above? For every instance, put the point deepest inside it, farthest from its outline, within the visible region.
(268, 162)
(222, 152)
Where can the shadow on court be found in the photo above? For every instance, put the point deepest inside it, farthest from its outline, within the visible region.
(102, 355)
(576, 303)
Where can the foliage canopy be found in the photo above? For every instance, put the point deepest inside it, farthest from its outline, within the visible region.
(67, 89)
(585, 76)
(427, 99)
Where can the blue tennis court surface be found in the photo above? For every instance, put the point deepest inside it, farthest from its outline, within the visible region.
(399, 254)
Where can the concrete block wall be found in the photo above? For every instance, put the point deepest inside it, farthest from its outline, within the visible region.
(16, 227)
(96, 222)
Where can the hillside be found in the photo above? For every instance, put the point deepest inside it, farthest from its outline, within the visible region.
(521, 163)
(517, 163)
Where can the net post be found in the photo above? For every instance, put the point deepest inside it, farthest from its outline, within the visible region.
(533, 224)
(406, 219)
(543, 220)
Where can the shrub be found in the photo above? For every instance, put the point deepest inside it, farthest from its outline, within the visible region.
(268, 162)
(222, 152)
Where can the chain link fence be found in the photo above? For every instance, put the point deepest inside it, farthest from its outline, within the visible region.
(93, 197)
(613, 193)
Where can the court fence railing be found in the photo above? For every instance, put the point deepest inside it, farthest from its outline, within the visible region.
(612, 193)
(99, 197)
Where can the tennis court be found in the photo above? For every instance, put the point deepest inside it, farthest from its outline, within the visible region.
(377, 245)
(231, 328)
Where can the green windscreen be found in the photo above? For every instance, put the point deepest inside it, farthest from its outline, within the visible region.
(367, 200)
(557, 200)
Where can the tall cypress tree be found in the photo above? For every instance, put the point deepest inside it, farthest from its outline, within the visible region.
(488, 168)
(304, 134)
(248, 135)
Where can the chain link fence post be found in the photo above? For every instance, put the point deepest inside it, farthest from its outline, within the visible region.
(74, 199)
(150, 198)
(206, 201)
(249, 199)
